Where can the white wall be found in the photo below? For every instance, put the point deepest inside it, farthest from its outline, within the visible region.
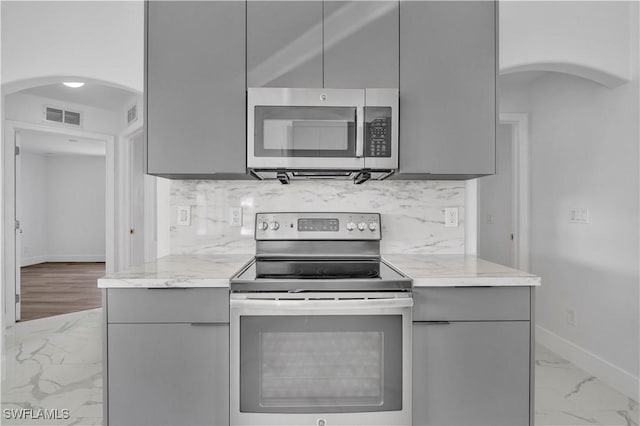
(587, 38)
(76, 208)
(584, 154)
(62, 205)
(32, 205)
(102, 40)
(29, 108)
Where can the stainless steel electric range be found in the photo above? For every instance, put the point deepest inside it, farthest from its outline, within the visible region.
(320, 325)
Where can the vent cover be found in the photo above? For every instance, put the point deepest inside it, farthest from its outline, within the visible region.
(59, 115)
(132, 114)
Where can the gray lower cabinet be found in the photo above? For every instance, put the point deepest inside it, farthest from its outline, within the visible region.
(168, 374)
(472, 357)
(448, 66)
(195, 89)
(167, 357)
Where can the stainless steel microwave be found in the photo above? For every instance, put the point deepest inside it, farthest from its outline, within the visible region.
(322, 133)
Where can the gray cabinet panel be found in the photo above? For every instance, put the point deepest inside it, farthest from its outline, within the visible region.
(361, 43)
(284, 44)
(168, 374)
(471, 304)
(471, 373)
(169, 305)
(195, 88)
(447, 87)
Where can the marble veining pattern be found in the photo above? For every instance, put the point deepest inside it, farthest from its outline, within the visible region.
(179, 271)
(412, 211)
(55, 363)
(445, 270)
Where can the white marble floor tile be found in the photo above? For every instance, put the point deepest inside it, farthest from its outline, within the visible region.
(55, 363)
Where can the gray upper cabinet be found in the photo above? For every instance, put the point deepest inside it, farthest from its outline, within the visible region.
(195, 89)
(447, 89)
(284, 44)
(361, 43)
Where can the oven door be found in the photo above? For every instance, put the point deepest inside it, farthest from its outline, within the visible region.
(305, 129)
(321, 359)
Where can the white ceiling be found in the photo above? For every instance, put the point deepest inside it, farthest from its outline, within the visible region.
(91, 94)
(46, 143)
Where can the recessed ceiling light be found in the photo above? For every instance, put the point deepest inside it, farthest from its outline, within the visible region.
(74, 84)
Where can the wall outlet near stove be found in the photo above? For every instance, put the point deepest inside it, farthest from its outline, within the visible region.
(235, 216)
(451, 217)
(183, 215)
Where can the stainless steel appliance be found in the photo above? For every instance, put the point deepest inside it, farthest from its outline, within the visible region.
(320, 326)
(322, 133)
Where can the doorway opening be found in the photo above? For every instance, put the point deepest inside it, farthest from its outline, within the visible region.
(503, 198)
(60, 206)
(65, 215)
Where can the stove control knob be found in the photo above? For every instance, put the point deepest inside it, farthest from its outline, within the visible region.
(263, 226)
(373, 226)
(362, 226)
(351, 226)
(274, 225)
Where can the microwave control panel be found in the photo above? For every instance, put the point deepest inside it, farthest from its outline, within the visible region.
(377, 132)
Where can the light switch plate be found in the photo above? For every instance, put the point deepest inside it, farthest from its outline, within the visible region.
(183, 215)
(579, 215)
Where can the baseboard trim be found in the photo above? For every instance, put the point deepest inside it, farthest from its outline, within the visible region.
(619, 379)
(63, 258)
(77, 258)
(28, 261)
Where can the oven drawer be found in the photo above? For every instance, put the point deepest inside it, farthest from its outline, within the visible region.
(471, 304)
(168, 305)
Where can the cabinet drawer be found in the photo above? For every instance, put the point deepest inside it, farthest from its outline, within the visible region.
(471, 304)
(168, 305)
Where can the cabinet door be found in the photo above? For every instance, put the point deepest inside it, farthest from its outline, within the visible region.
(168, 374)
(447, 87)
(284, 44)
(361, 42)
(471, 373)
(195, 88)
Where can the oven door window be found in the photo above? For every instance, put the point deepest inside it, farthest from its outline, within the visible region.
(283, 131)
(320, 364)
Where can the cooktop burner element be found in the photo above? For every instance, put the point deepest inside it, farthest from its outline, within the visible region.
(301, 252)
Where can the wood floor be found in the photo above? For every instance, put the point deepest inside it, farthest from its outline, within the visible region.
(59, 288)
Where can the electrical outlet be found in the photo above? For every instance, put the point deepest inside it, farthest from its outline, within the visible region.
(183, 215)
(490, 219)
(451, 217)
(571, 316)
(235, 216)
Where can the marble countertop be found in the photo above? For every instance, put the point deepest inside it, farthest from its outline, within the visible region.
(428, 270)
(458, 270)
(179, 271)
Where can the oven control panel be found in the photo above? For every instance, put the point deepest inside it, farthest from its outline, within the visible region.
(318, 226)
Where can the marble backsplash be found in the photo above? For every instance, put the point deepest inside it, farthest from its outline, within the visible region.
(412, 212)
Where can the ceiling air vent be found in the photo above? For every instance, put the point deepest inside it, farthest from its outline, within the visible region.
(59, 115)
(132, 114)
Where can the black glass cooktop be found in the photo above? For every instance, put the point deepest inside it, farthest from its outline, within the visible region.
(319, 275)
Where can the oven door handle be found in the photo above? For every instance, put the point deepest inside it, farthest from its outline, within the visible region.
(305, 305)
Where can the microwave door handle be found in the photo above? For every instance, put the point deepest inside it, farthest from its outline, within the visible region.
(360, 132)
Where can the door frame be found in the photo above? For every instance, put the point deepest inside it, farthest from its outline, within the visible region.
(124, 201)
(11, 257)
(520, 197)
